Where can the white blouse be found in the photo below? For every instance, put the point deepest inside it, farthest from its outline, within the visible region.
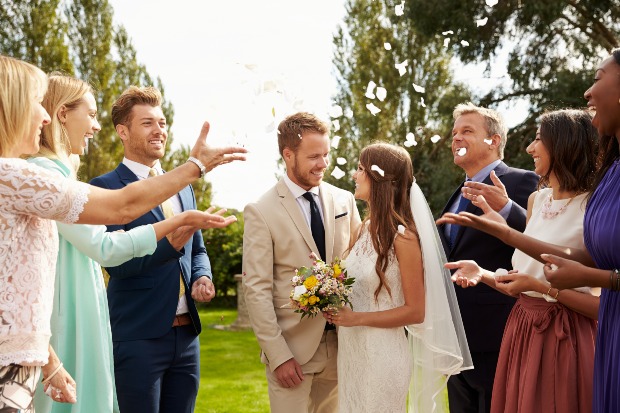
(564, 229)
(30, 198)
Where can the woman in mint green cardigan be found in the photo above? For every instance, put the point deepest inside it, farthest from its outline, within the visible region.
(80, 323)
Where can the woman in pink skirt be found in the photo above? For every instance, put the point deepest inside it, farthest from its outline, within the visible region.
(546, 358)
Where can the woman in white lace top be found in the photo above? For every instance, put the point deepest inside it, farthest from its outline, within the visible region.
(30, 199)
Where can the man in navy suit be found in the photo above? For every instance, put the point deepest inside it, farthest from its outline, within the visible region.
(154, 321)
(478, 142)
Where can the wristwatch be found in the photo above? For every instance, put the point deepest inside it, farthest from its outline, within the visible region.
(199, 164)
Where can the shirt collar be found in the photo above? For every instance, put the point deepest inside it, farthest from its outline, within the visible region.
(484, 172)
(141, 170)
(297, 190)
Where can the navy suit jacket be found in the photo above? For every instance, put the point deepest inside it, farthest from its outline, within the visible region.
(485, 310)
(143, 293)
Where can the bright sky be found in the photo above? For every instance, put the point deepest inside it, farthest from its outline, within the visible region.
(231, 63)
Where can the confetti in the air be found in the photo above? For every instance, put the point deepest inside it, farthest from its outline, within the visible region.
(341, 161)
(447, 32)
(446, 42)
(371, 86)
(348, 113)
(387, 46)
(461, 152)
(335, 141)
(336, 124)
(377, 169)
(337, 172)
(435, 138)
(464, 43)
(381, 93)
(373, 109)
(422, 102)
(270, 128)
(400, 9)
(418, 88)
(491, 3)
(335, 111)
(402, 67)
(273, 111)
(279, 132)
(401, 229)
(410, 140)
(481, 22)
(488, 141)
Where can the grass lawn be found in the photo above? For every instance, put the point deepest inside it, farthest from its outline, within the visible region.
(232, 378)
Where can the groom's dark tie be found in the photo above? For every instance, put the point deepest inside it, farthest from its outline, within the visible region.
(454, 229)
(316, 224)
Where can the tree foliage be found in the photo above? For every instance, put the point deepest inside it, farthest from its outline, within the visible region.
(553, 47)
(360, 57)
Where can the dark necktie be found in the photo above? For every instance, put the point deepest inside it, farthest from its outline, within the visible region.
(454, 229)
(316, 225)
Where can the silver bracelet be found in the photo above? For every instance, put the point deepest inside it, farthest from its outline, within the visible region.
(199, 164)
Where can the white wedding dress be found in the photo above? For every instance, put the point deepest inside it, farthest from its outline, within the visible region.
(374, 364)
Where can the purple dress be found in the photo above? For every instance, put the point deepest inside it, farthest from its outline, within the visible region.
(602, 238)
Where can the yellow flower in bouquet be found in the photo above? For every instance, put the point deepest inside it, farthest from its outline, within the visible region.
(320, 288)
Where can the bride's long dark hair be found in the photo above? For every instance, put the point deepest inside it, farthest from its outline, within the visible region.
(388, 204)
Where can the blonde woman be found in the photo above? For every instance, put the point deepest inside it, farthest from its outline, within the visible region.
(30, 199)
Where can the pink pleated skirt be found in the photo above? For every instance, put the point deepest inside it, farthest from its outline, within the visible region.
(546, 360)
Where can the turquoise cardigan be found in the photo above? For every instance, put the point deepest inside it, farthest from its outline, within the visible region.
(80, 323)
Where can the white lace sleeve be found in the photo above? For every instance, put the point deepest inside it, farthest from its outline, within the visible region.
(29, 189)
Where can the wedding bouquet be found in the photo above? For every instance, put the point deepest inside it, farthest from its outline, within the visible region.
(320, 288)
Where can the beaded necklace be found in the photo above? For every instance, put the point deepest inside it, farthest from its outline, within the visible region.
(546, 211)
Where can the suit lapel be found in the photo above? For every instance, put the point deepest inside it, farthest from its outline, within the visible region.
(127, 177)
(292, 208)
(329, 220)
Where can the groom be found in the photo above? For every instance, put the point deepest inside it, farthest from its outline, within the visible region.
(300, 215)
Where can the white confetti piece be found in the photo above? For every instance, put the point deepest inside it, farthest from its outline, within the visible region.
(399, 9)
(270, 128)
(410, 140)
(335, 111)
(387, 46)
(488, 141)
(348, 113)
(337, 172)
(401, 229)
(447, 32)
(461, 152)
(381, 93)
(464, 43)
(377, 169)
(373, 109)
(481, 22)
(500, 271)
(435, 138)
(336, 124)
(341, 161)
(299, 136)
(418, 88)
(491, 3)
(279, 132)
(402, 67)
(422, 102)
(371, 86)
(446, 42)
(335, 141)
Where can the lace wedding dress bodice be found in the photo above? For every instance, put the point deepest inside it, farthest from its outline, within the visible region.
(30, 198)
(374, 364)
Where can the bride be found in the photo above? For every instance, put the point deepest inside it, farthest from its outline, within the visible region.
(397, 262)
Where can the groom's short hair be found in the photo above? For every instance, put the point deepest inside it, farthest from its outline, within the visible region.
(294, 126)
(122, 107)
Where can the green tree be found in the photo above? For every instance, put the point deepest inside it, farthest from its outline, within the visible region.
(33, 31)
(553, 49)
(360, 57)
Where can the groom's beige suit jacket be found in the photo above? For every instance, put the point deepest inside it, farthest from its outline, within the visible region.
(276, 241)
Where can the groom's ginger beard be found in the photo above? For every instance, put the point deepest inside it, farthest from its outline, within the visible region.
(306, 166)
(145, 135)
